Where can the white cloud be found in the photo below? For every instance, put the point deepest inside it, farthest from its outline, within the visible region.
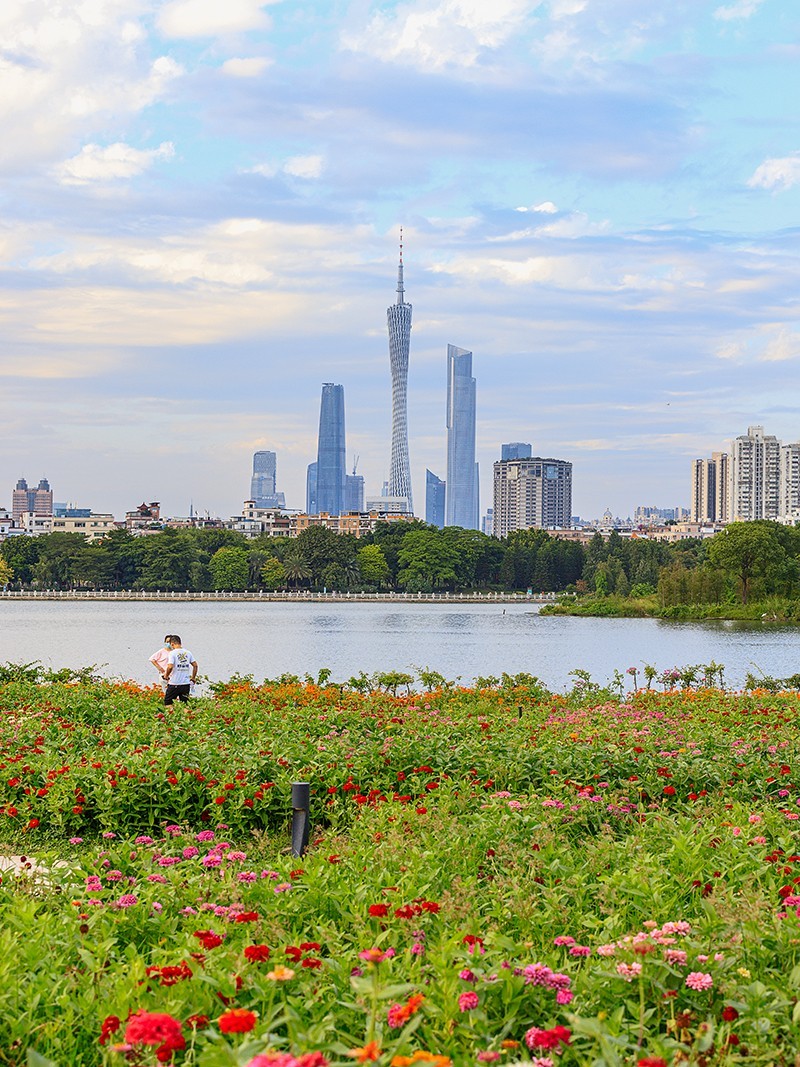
(778, 173)
(212, 18)
(434, 34)
(740, 9)
(547, 207)
(783, 345)
(112, 163)
(245, 67)
(304, 166)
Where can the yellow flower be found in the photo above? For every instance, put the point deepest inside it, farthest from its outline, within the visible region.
(280, 974)
(743, 972)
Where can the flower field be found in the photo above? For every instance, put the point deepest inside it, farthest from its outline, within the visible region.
(494, 876)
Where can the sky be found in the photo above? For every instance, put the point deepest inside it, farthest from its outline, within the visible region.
(200, 205)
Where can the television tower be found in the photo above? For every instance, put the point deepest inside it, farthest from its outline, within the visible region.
(399, 321)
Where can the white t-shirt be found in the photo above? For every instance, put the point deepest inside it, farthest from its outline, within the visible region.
(181, 660)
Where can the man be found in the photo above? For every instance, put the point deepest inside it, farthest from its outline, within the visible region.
(160, 660)
(181, 672)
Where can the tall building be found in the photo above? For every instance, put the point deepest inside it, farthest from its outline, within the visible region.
(354, 493)
(311, 490)
(434, 499)
(531, 492)
(399, 321)
(710, 489)
(790, 484)
(38, 501)
(722, 461)
(263, 482)
(755, 476)
(515, 450)
(331, 466)
(462, 496)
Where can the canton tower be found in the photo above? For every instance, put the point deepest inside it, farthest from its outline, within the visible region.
(399, 321)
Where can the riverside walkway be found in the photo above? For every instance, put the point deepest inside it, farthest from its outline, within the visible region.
(301, 596)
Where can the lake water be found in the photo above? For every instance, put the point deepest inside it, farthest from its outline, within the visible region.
(460, 641)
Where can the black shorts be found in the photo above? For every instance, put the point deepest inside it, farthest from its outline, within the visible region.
(176, 692)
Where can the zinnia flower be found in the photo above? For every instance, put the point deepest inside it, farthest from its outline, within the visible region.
(699, 980)
(153, 1028)
(237, 1021)
(468, 1001)
(256, 953)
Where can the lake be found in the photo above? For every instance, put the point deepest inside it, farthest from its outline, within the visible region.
(460, 641)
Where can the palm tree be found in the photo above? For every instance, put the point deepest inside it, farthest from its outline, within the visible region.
(352, 572)
(296, 568)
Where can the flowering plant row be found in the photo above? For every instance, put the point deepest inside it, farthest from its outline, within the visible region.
(488, 880)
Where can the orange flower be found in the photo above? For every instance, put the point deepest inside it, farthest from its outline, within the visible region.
(370, 1051)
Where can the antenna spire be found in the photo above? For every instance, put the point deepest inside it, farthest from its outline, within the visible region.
(400, 289)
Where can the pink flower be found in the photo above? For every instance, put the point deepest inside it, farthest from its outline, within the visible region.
(374, 955)
(487, 1056)
(190, 852)
(205, 835)
(468, 1001)
(580, 950)
(127, 900)
(467, 975)
(564, 996)
(754, 819)
(76, 840)
(675, 956)
(606, 950)
(629, 971)
(699, 981)
(563, 939)
(211, 860)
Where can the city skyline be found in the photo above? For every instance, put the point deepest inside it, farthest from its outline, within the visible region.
(598, 200)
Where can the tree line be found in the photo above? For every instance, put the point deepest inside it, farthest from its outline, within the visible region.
(747, 559)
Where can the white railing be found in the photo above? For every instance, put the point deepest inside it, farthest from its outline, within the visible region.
(265, 595)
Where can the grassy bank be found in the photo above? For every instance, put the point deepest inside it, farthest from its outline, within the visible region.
(772, 610)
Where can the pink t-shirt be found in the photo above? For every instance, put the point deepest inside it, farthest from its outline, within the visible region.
(160, 659)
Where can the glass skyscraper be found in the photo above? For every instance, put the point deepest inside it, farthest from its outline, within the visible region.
(399, 320)
(331, 474)
(434, 499)
(462, 498)
(515, 450)
(263, 483)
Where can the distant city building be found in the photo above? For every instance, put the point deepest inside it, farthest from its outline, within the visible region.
(353, 493)
(532, 492)
(462, 495)
(264, 480)
(755, 476)
(34, 525)
(144, 519)
(399, 322)
(390, 505)
(38, 501)
(515, 450)
(6, 523)
(710, 488)
(331, 469)
(311, 489)
(434, 499)
(487, 524)
(651, 516)
(93, 527)
(790, 484)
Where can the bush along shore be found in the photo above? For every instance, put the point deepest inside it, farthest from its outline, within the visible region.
(495, 875)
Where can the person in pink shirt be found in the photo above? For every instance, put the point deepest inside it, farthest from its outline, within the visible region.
(160, 659)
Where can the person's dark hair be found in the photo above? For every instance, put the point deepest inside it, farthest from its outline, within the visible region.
(174, 637)
(168, 637)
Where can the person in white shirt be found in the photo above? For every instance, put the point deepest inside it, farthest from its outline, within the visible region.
(181, 672)
(160, 660)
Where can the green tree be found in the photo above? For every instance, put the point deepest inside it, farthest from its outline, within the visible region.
(746, 550)
(22, 555)
(170, 561)
(229, 568)
(427, 561)
(273, 574)
(6, 573)
(296, 568)
(373, 566)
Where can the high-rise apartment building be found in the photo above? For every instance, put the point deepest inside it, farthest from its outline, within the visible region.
(399, 321)
(354, 493)
(704, 491)
(263, 482)
(754, 476)
(722, 464)
(434, 499)
(331, 474)
(790, 484)
(515, 450)
(38, 501)
(531, 492)
(462, 495)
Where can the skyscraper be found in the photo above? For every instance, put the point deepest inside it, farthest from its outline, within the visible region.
(754, 488)
(515, 450)
(311, 489)
(531, 492)
(331, 467)
(263, 483)
(434, 499)
(461, 495)
(38, 501)
(399, 321)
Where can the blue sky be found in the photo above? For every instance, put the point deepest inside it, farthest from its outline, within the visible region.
(200, 205)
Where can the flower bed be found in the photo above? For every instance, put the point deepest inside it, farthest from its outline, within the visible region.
(491, 878)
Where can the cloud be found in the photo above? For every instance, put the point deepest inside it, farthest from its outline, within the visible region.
(304, 166)
(435, 34)
(740, 9)
(112, 163)
(245, 67)
(778, 173)
(547, 207)
(212, 18)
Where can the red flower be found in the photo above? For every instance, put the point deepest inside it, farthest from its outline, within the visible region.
(294, 953)
(197, 1022)
(651, 1061)
(256, 953)
(552, 1038)
(247, 917)
(312, 962)
(310, 946)
(153, 1028)
(208, 939)
(729, 1013)
(110, 1026)
(237, 1021)
(379, 911)
(669, 790)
